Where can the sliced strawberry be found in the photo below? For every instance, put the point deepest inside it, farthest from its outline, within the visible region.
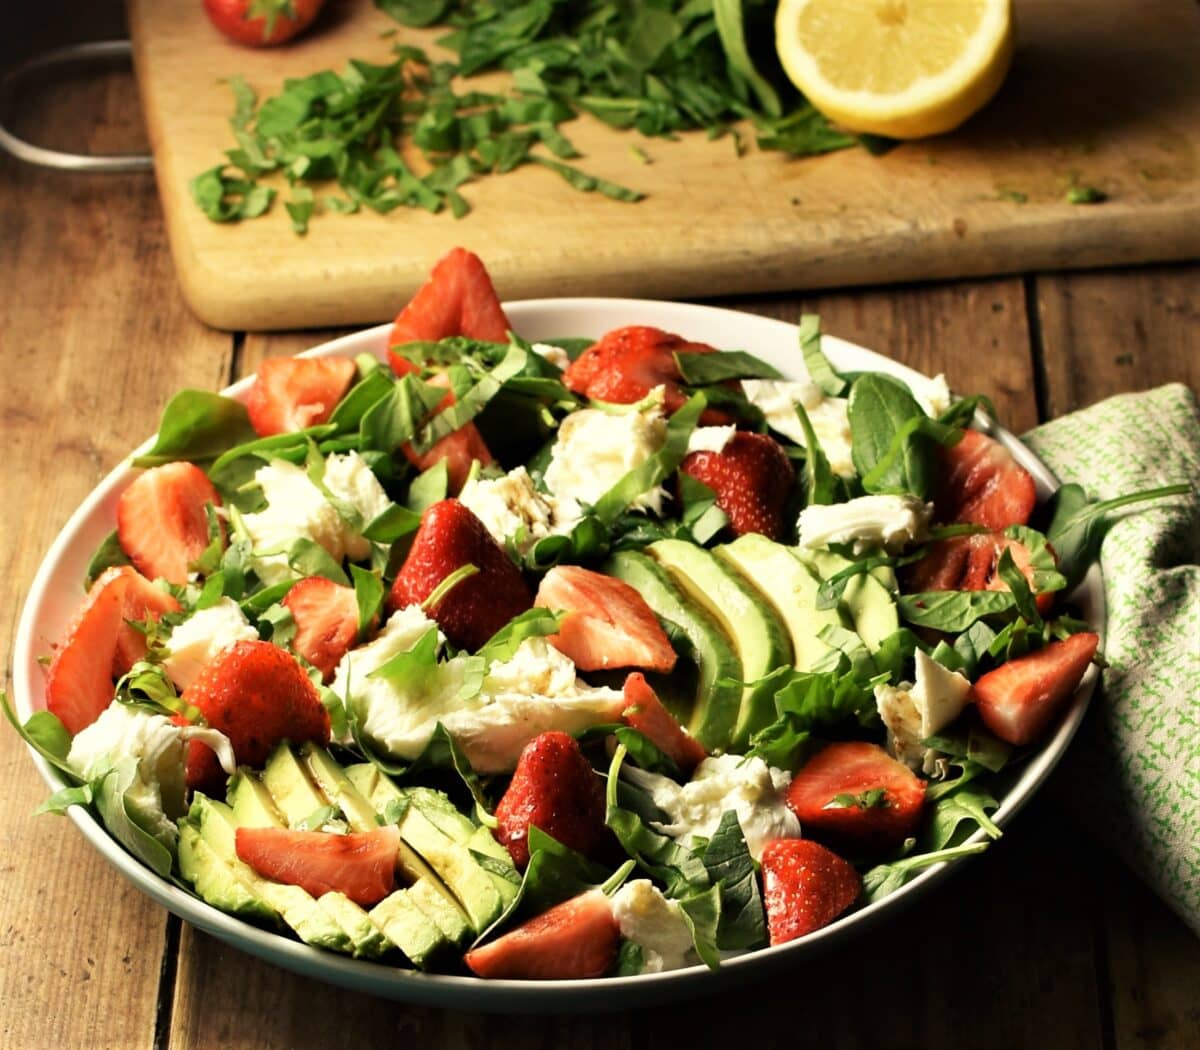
(608, 624)
(362, 865)
(449, 537)
(291, 393)
(981, 483)
(971, 563)
(161, 523)
(555, 788)
(627, 363)
(100, 645)
(752, 478)
(644, 711)
(257, 695)
(458, 299)
(805, 887)
(459, 449)
(575, 939)
(326, 616)
(832, 797)
(1020, 699)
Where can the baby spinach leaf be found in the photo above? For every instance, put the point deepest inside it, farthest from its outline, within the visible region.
(368, 596)
(197, 425)
(701, 911)
(309, 558)
(957, 815)
(110, 789)
(533, 623)
(44, 733)
(630, 960)
(721, 366)
(730, 866)
(108, 555)
(952, 611)
(879, 409)
(393, 522)
(427, 488)
(368, 391)
(884, 879)
(820, 485)
(1023, 597)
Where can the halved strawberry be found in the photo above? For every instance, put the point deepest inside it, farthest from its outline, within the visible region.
(555, 788)
(608, 624)
(449, 537)
(644, 712)
(100, 645)
(1020, 699)
(981, 483)
(752, 478)
(362, 864)
(326, 616)
(458, 299)
(257, 695)
(291, 393)
(970, 563)
(832, 795)
(805, 887)
(575, 939)
(161, 523)
(627, 363)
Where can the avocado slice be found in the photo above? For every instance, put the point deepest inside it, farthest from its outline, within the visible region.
(790, 587)
(447, 916)
(252, 804)
(715, 708)
(417, 935)
(868, 599)
(369, 941)
(758, 637)
(216, 882)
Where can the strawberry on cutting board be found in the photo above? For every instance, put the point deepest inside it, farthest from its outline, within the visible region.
(607, 623)
(257, 695)
(981, 483)
(449, 537)
(555, 788)
(854, 796)
(805, 887)
(752, 478)
(291, 393)
(645, 712)
(1020, 699)
(326, 617)
(161, 522)
(101, 644)
(575, 939)
(971, 563)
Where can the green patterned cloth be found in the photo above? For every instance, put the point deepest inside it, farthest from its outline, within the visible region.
(1133, 774)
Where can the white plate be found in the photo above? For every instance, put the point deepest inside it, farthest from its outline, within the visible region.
(55, 594)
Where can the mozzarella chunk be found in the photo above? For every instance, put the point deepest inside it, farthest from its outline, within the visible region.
(933, 395)
(915, 713)
(508, 504)
(748, 786)
(197, 641)
(556, 355)
(869, 522)
(710, 439)
(777, 400)
(656, 923)
(536, 668)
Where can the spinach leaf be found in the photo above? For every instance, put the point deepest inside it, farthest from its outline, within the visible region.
(956, 816)
(368, 596)
(197, 425)
(820, 485)
(108, 555)
(721, 366)
(952, 611)
(44, 733)
(730, 866)
(702, 912)
(884, 879)
(879, 409)
(820, 371)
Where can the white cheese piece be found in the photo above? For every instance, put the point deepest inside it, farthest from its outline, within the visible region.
(710, 439)
(869, 522)
(777, 399)
(754, 790)
(509, 504)
(536, 668)
(915, 713)
(933, 395)
(656, 923)
(197, 641)
(556, 355)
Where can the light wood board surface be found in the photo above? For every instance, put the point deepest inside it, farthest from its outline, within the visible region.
(1104, 95)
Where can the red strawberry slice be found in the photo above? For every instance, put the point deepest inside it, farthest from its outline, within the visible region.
(981, 483)
(326, 616)
(449, 537)
(458, 299)
(257, 695)
(627, 363)
(100, 645)
(971, 563)
(362, 864)
(805, 887)
(161, 522)
(830, 796)
(459, 449)
(555, 788)
(644, 711)
(291, 393)
(1019, 700)
(608, 624)
(752, 478)
(575, 939)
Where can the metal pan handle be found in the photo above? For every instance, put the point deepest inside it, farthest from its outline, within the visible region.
(77, 54)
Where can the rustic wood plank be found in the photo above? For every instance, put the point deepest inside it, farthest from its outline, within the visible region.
(93, 336)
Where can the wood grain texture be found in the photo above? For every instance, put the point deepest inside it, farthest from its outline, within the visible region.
(1104, 96)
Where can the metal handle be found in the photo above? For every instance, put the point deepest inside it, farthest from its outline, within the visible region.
(103, 50)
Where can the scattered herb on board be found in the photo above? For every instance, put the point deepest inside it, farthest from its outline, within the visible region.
(1085, 195)
(408, 134)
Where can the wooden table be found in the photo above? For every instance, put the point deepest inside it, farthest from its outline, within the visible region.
(1045, 941)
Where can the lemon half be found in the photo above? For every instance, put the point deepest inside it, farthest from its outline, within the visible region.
(901, 68)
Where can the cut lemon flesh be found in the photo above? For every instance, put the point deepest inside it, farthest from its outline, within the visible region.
(901, 68)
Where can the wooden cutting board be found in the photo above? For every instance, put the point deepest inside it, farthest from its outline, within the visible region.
(1104, 95)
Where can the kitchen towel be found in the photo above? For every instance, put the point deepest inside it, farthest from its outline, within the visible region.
(1137, 754)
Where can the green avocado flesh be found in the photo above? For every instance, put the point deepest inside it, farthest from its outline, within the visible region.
(868, 599)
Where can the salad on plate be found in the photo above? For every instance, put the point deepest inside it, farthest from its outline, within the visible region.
(570, 659)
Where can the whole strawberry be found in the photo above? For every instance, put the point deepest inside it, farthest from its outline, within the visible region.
(450, 536)
(752, 478)
(805, 887)
(556, 789)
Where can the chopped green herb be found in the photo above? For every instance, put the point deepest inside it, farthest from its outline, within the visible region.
(1085, 195)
